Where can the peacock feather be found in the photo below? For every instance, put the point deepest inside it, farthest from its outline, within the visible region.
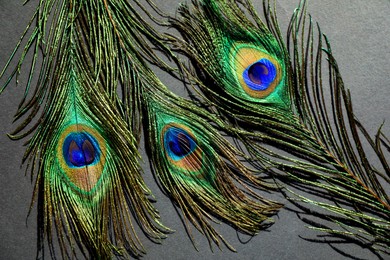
(82, 149)
(273, 97)
(90, 83)
(199, 169)
(94, 91)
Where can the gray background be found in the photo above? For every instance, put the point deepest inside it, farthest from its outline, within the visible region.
(359, 33)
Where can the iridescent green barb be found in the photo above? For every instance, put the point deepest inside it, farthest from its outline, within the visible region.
(271, 93)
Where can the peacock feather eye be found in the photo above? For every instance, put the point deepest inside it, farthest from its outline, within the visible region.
(178, 143)
(81, 153)
(257, 72)
(181, 147)
(260, 75)
(80, 149)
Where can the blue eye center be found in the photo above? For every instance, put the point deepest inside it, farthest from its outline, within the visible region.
(260, 75)
(178, 143)
(181, 145)
(258, 72)
(80, 149)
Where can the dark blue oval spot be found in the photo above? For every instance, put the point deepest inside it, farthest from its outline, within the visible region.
(260, 75)
(89, 152)
(178, 143)
(80, 149)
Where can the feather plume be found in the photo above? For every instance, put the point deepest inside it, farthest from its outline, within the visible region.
(272, 93)
(83, 147)
(199, 169)
(83, 124)
(82, 151)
